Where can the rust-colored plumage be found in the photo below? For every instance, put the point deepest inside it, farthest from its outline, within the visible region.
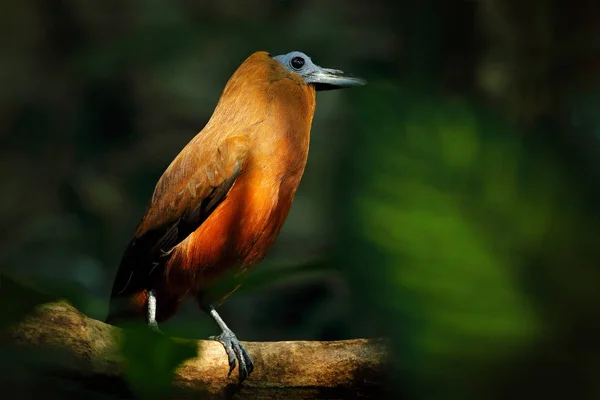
(219, 206)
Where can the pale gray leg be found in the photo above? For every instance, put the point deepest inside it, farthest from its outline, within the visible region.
(151, 316)
(233, 347)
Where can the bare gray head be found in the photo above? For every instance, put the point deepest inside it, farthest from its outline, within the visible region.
(321, 78)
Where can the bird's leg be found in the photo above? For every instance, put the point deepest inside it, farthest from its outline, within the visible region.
(151, 315)
(233, 347)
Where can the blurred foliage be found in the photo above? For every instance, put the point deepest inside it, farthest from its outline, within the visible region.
(451, 204)
(151, 360)
(473, 242)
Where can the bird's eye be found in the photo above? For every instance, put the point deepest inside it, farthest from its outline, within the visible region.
(297, 62)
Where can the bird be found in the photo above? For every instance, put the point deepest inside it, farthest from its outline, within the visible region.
(218, 207)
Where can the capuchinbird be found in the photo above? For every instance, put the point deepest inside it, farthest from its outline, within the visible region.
(220, 204)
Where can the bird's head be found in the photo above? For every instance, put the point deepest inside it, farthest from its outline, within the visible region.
(321, 78)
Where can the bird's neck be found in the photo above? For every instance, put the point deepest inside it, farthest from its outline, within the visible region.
(284, 134)
(276, 116)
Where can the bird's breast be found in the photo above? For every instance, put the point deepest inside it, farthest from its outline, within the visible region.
(237, 235)
(240, 231)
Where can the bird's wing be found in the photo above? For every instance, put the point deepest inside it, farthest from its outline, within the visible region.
(195, 183)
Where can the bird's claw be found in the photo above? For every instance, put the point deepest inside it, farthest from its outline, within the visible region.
(235, 351)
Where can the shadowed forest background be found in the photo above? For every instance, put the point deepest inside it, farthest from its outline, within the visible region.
(450, 205)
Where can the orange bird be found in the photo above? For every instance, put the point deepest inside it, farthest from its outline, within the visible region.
(220, 204)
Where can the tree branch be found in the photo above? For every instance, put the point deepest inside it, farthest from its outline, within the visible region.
(283, 370)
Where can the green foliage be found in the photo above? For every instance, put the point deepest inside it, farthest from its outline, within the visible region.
(151, 360)
(445, 210)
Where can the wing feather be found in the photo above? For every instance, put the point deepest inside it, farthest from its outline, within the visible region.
(191, 188)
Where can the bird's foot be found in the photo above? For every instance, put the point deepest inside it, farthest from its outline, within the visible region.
(235, 351)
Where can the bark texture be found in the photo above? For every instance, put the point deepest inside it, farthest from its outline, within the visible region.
(283, 370)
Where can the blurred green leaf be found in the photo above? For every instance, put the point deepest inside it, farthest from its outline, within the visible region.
(445, 208)
(151, 360)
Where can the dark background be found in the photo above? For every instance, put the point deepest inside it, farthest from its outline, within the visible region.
(451, 204)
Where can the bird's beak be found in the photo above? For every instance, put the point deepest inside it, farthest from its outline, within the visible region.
(330, 79)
